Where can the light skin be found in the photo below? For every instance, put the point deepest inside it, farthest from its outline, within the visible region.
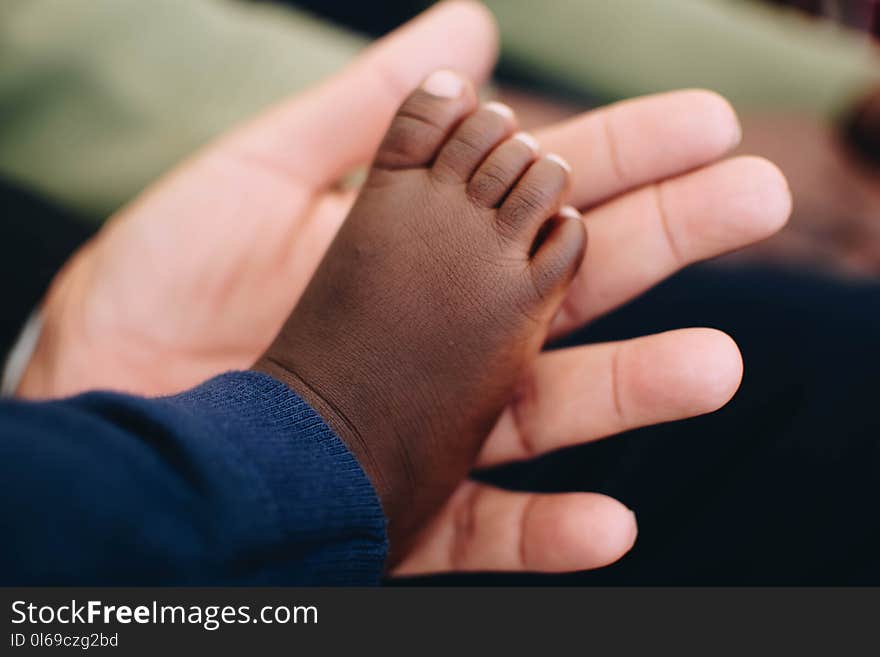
(198, 274)
(834, 226)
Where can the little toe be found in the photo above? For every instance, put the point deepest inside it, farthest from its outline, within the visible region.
(499, 172)
(558, 251)
(472, 142)
(425, 120)
(536, 197)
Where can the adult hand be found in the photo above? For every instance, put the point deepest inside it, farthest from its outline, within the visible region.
(197, 275)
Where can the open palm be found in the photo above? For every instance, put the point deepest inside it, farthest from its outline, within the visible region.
(197, 275)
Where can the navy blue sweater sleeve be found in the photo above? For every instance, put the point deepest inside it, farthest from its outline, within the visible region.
(237, 481)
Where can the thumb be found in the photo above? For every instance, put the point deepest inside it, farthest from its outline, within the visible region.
(323, 133)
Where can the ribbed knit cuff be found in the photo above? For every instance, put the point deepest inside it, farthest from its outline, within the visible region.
(321, 493)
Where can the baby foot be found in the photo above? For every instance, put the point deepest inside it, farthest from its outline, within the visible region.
(437, 291)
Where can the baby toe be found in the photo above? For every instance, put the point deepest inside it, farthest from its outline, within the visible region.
(536, 197)
(558, 252)
(472, 142)
(495, 177)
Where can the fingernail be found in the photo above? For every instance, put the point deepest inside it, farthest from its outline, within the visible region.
(569, 212)
(444, 84)
(737, 134)
(553, 157)
(528, 140)
(499, 108)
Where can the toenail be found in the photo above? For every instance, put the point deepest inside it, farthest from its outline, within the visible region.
(569, 212)
(553, 157)
(444, 84)
(528, 140)
(499, 108)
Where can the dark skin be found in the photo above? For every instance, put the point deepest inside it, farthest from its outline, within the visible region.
(436, 293)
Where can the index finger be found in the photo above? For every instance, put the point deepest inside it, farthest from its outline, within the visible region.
(636, 142)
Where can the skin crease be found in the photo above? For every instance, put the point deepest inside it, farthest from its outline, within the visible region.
(183, 283)
(834, 227)
(434, 297)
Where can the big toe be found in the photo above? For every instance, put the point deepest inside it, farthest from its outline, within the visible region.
(425, 120)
